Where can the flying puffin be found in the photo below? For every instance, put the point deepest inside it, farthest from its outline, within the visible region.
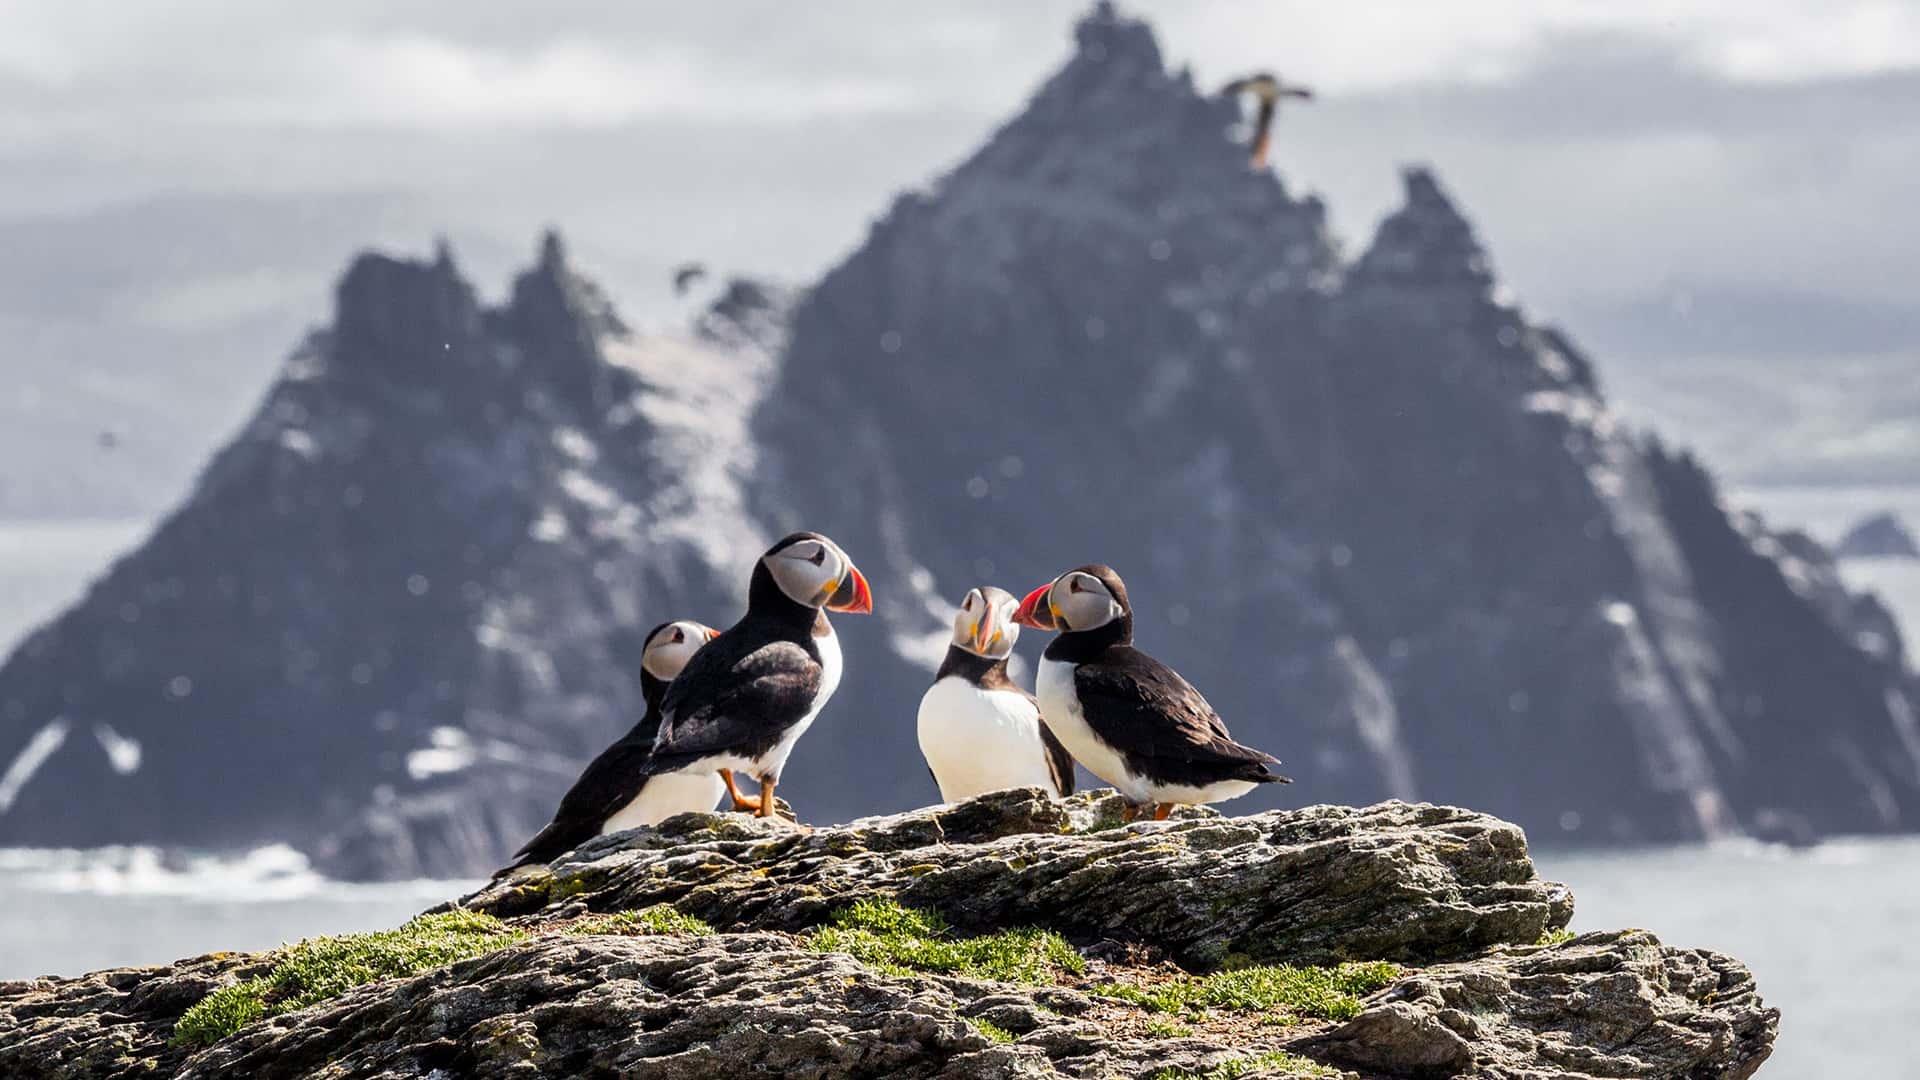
(1267, 89)
(615, 792)
(978, 730)
(1131, 720)
(746, 698)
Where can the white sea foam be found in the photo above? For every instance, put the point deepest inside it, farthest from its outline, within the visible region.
(272, 873)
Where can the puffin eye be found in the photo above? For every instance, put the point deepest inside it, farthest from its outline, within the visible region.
(1073, 586)
(679, 635)
(819, 556)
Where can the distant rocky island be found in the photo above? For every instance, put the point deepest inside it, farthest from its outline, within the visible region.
(1879, 536)
(1376, 510)
(1009, 936)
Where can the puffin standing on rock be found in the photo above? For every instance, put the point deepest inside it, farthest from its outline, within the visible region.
(1131, 720)
(745, 699)
(615, 792)
(978, 730)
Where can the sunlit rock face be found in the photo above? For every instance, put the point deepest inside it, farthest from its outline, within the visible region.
(1378, 513)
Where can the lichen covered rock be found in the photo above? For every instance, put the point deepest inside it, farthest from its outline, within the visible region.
(1009, 936)
(1394, 881)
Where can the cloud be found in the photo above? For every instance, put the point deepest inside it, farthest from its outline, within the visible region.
(1611, 154)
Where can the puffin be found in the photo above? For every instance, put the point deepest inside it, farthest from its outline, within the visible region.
(615, 792)
(1130, 719)
(979, 731)
(744, 700)
(1267, 89)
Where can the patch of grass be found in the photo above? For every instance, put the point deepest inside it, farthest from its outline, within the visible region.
(320, 968)
(1557, 937)
(993, 1032)
(1229, 1070)
(659, 919)
(1161, 1028)
(900, 940)
(221, 1013)
(1301, 993)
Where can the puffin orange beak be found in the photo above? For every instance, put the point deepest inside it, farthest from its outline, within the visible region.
(853, 597)
(711, 632)
(1035, 611)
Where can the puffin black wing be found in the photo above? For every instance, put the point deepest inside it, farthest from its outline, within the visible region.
(1153, 717)
(610, 781)
(733, 701)
(1059, 762)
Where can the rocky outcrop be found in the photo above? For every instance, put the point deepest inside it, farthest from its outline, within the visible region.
(1480, 986)
(1374, 508)
(1880, 536)
(1320, 885)
(1605, 1004)
(403, 605)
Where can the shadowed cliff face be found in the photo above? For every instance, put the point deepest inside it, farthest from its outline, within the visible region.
(1378, 515)
(400, 607)
(1383, 519)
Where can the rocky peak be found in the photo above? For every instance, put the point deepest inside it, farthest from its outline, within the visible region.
(1426, 244)
(748, 312)
(562, 317)
(403, 319)
(1878, 536)
(1114, 48)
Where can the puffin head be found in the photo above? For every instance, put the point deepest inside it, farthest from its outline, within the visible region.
(1088, 598)
(812, 571)
(984, 625)
(670, 645)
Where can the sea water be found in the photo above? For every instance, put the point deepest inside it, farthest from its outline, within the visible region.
(1829, 931)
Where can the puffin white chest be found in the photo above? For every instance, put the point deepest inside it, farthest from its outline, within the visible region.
(977, 740)
(664, 796)
(1061, 706)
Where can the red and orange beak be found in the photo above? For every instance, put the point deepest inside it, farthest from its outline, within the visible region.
(710, 632)
(1035, 611)
(853, 596)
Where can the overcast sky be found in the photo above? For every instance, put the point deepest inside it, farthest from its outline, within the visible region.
(1727, 183)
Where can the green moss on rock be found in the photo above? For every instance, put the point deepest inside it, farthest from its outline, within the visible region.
(660, 919)
(993, 1032)
(1229, 1070)
(1297, 993)
(320, 968)
(901, 940)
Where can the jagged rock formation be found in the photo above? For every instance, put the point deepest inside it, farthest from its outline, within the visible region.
(1381, 516)
(404, 603)
(1448, 893)
(1880, 536)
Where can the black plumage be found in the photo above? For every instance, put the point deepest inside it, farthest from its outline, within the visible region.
(609, 782)
(1160, 726)
(750, 686)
